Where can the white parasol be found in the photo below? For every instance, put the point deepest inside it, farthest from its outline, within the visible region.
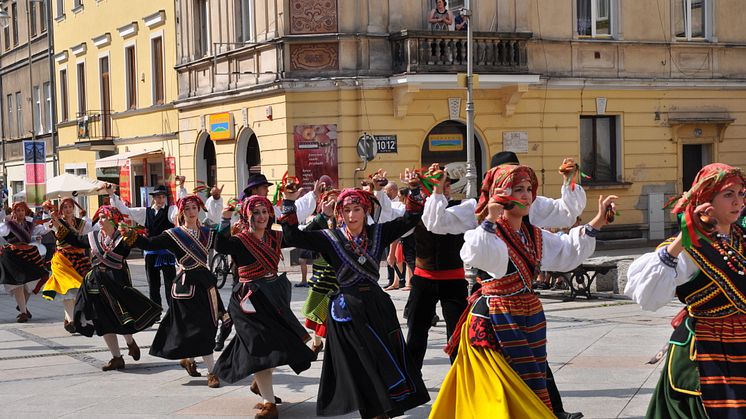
(69, 185)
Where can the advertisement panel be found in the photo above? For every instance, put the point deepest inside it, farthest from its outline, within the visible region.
(315, 153)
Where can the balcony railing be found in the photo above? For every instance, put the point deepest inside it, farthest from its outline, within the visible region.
(94, 125)
(445, 52)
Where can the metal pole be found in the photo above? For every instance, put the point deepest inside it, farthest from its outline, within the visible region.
(52, 86)
(471, 174)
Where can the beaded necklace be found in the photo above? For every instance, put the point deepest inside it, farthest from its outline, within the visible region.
(729, 248)
(359, 245)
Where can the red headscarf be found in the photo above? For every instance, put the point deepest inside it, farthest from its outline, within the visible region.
(710, 180)
(505, 176)
(350, 196)
(74, 204)
(181, 203)
(248, 205)
(109, 212)
(324, 196)
(24, 205)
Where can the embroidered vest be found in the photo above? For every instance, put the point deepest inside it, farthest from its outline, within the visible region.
(19, 233)
(100, 256)
(267, 255)
(351, 270)
(524, 251)
(157, 223)
(195, 249)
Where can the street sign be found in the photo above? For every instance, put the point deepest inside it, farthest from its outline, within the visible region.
(386, 143)
(366, 147)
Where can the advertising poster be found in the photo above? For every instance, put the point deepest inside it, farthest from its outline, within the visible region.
(169, 173)
(34, 156)
(124, 182)
(446, 142)
(315, 153)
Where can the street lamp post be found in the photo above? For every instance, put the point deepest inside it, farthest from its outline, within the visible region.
(471, 173)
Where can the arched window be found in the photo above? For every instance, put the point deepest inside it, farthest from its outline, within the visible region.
(445, 144)
(248, 157)
(206, 161)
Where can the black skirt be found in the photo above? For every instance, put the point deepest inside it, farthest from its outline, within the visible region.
(22, 266)
(107, 303)
(268, 334)
(367, 366)
(189, 326)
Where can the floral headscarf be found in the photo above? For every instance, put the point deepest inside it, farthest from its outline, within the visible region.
(24, 205)
(181, 203)
(72, 203)
(249, 204)
(109, 212)
(505, 177)
(365, 199)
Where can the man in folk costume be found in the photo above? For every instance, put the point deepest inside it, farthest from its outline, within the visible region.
(704, 265)
(157, 218)
(23, 257)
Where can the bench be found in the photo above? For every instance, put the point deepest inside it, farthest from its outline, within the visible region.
(607, 272)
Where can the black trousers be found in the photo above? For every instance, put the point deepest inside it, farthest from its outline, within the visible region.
(423, 298)
(153, 276)
(554, 395)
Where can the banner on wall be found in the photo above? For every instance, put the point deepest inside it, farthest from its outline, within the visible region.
(34, 159)
(169, 173)
(124, 183)
(315, 153)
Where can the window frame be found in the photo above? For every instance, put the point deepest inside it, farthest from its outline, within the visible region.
(613, 19)
(32, 19)
(9, 106)
(6, 32)
(14, 22)
(60, 9)
(80, 78)
(36, 117)
(130, 76)
(43, 17)
(708, 21)
(47, 96)
(202, 29)
(155, 69)
(615, 149)
(19, 114)
(64, 93)
(246, 21)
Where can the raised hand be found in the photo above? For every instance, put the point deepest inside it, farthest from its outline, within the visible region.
(291, 194)
(410, 178)
(605, 205)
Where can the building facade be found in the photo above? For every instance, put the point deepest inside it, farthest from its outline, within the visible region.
(641, 93)
(116, 85)
(26, 89)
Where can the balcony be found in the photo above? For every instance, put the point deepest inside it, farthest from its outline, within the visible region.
(446, 52)
(94, 130)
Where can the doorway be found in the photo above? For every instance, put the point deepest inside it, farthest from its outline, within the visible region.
(694, 157)
(445, 144)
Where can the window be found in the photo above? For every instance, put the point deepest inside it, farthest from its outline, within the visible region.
(48, 106)
(64, 111)
(81, 89)
(36, 119)
(594, 18)
(9, 124)
(245, 27)
(156, 47)
(43, 17)
(32, 17)
(6, 32)
(77, 4)
(103, 66)
(202, 32)
(60, 8)
(690, 17)
(14, 22)
(599, 148)
(19, 115)
(131, 76)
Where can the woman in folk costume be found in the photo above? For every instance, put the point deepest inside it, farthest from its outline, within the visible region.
(323, 280)
(23, 257)
(268, 334)
(188, 328)
(367, 366)
(704, 266)
(107, 304)
(500, 368)
(69, 263)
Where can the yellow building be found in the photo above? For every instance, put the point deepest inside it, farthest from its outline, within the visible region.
(115, 89)
(641, 93)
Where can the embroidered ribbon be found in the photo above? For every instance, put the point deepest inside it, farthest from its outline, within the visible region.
(100, 256)
(195, 249)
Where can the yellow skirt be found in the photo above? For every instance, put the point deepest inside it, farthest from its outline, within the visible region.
(481, 384)
(63, 279)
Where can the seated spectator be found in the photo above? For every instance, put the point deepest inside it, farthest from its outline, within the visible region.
(440, 18)
(462, 22)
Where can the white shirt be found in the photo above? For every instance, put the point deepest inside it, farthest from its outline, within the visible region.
(139, 214)
(181, 192)
(214, 209)
(652, 284)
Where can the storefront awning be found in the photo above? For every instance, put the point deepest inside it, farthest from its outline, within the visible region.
(121, 158)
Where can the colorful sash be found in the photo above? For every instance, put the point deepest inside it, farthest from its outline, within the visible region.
(20, 233)
(524, 252)
(351, 271)
(99, 256)
(195, 249)
(267, 255)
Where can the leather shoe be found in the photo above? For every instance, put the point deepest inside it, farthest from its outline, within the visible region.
(116, 363)
(267, 411)
(70, 327)
(133, 350)
(190, 367)
(568, 415)
(22, 318)
(255, 389)
(317, 350)
(212, 380)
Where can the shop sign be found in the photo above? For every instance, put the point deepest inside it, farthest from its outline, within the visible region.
(124, 183)
(315, 153)
(220, 126)
(386, 143)
(34, 158)
(446, 142)
(169, 173)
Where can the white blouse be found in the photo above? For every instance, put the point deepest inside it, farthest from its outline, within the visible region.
(560, 252)
(652, 284)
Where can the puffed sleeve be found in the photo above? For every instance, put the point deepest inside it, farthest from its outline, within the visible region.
(305, 205)
(564, 252)
(387, 211)
(4, 229)
(653, 277)
(438, 218)
(137, 214)
(546, 212)
(482, 249)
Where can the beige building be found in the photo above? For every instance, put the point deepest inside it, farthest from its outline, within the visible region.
(25, 88)
(116, 85)
(641, 93)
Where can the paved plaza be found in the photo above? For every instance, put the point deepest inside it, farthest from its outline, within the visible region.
(597, 348)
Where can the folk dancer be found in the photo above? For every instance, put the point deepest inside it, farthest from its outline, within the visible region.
(704, 267)
(70, 264)
(23, 257)
(268, 334)
(190, 323)
(107, 304)
(500, 369)
(367, 366)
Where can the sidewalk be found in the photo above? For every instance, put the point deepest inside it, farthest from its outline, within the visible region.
(598, 350)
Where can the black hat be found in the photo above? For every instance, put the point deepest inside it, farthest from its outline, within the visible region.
(504, 157)
(159, 190)
(254, 181)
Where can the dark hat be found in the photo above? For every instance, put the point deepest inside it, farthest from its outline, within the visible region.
(159, 190)
(504, 157)
(254, 181)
